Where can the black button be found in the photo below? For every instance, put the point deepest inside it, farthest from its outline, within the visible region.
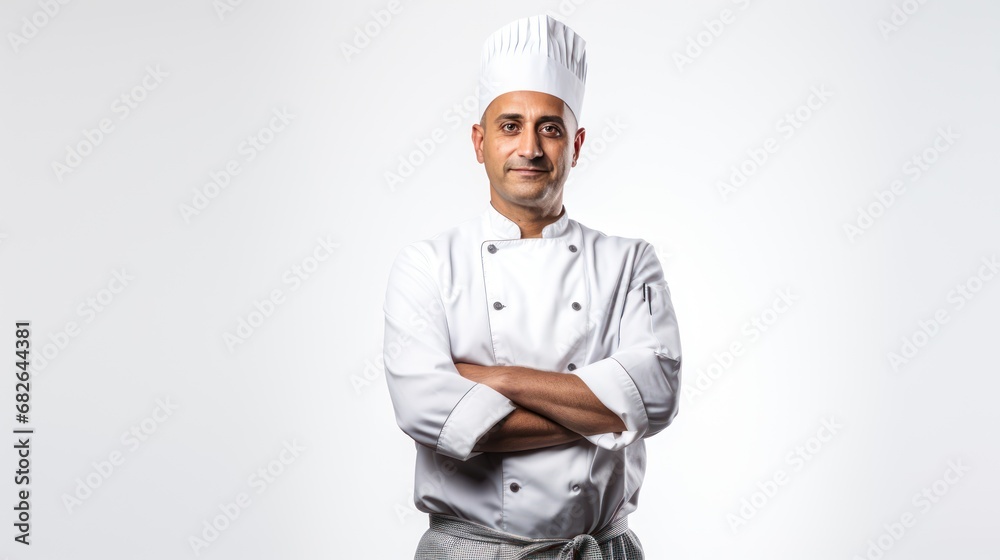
(497, 305)
(572, 248)
(571, 367)
(514, 487)
(576, 306)
(491, 248)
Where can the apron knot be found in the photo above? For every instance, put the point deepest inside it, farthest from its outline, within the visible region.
(582, 547)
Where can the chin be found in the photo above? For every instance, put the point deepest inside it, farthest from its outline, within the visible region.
(531, 192)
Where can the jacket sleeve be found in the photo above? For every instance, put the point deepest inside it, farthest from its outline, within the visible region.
(640, 381)
(434, 405)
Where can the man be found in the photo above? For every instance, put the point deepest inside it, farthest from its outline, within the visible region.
(526, 354)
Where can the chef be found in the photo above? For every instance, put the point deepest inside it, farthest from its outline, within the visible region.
(526, 354)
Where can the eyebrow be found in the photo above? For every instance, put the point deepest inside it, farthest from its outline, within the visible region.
(519, 117)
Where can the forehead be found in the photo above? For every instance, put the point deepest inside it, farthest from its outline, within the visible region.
(531, 104)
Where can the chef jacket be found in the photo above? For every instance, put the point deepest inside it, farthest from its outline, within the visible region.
(575, 300)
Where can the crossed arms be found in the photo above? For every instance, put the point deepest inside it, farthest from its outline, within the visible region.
(553, 408)
(461, 410)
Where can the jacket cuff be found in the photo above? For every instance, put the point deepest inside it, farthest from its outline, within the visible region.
(614, 387)
(478, 411)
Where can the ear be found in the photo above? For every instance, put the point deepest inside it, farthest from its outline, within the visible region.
(581, 133)
(478, 134)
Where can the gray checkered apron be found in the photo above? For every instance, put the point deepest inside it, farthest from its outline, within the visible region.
(451, 538)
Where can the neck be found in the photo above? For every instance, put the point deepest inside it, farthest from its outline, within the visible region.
(531, 219)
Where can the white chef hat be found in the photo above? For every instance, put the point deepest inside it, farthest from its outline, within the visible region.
(537, 53)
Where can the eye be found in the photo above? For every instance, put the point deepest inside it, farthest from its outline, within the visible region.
(509, 127)
(552, 130)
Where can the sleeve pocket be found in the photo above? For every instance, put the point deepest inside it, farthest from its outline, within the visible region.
(663, 321)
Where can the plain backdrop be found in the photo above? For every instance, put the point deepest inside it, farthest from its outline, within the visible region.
(221, 248)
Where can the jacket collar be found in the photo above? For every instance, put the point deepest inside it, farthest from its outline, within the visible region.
(504, 228)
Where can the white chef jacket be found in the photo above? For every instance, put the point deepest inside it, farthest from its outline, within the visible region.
(575, 300)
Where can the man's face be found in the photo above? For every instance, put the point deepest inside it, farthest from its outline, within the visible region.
(528, 141)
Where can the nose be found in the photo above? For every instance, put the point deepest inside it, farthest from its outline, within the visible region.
(529, 146)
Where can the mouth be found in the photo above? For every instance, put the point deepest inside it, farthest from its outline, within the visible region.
(527, 170)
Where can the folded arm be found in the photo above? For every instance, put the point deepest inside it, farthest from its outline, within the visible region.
(562, 397)
(522, 430)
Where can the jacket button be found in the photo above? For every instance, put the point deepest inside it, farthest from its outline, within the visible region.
(576, 306)
(497, 305)
(514, 487)
(572, 248)
(571, 367)
(491, 248)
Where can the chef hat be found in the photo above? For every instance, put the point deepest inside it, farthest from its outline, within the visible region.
(537, 53)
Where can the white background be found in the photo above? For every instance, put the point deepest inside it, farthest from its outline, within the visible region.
(308, 374)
